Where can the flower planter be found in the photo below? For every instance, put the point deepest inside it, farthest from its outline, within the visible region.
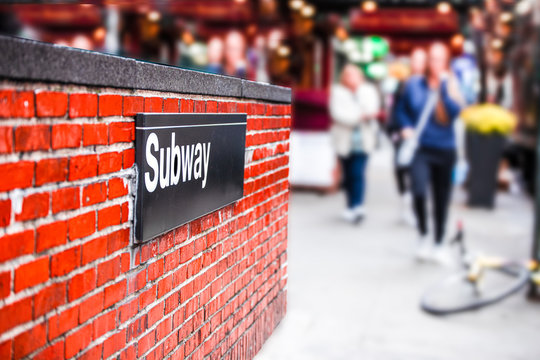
(484, 154)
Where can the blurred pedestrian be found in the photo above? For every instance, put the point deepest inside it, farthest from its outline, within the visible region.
(418, 61)
(426, 112)
(215, 55)
(354, 104)
(235, 55)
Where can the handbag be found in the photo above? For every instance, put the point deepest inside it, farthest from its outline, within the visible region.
(408, 148)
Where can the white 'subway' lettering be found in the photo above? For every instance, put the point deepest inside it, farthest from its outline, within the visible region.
(189, 160)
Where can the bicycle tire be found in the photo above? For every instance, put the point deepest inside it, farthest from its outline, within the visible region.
(518, 271)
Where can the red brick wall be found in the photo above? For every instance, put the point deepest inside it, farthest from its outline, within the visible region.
(72, 281)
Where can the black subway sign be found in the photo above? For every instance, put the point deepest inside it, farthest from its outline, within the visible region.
(188, 166)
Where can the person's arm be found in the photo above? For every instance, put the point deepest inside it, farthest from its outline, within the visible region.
(452, 98)
(401, 111)
(343, 109)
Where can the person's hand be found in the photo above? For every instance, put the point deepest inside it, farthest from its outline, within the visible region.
(407, 133)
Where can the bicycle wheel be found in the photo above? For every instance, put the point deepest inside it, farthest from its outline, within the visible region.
(457, 294)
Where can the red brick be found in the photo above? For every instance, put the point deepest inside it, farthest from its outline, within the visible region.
(146, 343)
(128, 158)
(30, 340)
(133, 105)
(51, 170)
(66, 136)
(226, 107)
(22, 104)
(6, 349)
(108, 270)
(14, 314)
(110, 105)
(125, 212)
(66, 199)
(117, 240)
(66, 261)
(82, 225)
(78, 340)
(5, 103)
(17, 175)
(5, 212)
(82, 166)
(51, 235)
(109, 216)
(49, 298)
(34, 206)
(94, 249)
(5, 284)
(170, 106)
(211, 106)
(91, 354)
(51, 103)
(91, 307)
(155, 270)
(52, 352)
(147, 297)
(104, 324)
(165, 285)
(137, 281)
(117, 188)
(81, 284)
(121, 132)
(32, 138)
(153, 104)
(83, 105)
(63, 322)
(114, 293)
(199, 106)
(186, 105)
(31, 274)
(6, 139)
(14, 245)
(241, 107)
(109, 162)
(95, 134)
(114, 343)
(128, 310)
(94, 193)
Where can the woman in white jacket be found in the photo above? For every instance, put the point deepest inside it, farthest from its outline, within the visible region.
(354, 104)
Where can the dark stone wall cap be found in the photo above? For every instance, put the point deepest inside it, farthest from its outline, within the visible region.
(23, 59)
(257, 90)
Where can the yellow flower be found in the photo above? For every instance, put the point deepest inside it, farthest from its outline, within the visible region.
(489, 119)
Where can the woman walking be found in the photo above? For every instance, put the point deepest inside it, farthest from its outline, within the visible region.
(418, 68)
(354, 104)
(435, 155)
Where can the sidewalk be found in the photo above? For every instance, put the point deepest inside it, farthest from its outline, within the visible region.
(353, 292)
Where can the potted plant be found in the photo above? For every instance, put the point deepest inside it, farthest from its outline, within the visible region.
(488, 126)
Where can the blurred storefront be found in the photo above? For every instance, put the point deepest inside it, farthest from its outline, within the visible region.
(304, 44)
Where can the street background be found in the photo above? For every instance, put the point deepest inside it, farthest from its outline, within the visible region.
(354, 291)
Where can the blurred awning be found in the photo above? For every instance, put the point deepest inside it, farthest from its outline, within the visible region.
(404, 21)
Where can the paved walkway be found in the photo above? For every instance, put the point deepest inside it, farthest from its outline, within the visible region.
(353, 291)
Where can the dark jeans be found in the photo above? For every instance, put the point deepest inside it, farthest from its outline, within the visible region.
(354, 169)
(432, 167)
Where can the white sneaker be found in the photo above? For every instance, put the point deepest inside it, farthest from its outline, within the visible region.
(443, 256)
(349, 215)
(407, 216)
(360, 211)
(424, 249)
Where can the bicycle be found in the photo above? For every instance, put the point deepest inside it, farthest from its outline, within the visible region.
(482, 281)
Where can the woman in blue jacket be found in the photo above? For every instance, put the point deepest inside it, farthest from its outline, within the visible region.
(436, 154)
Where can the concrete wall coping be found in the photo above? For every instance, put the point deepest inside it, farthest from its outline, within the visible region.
(30, 60)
